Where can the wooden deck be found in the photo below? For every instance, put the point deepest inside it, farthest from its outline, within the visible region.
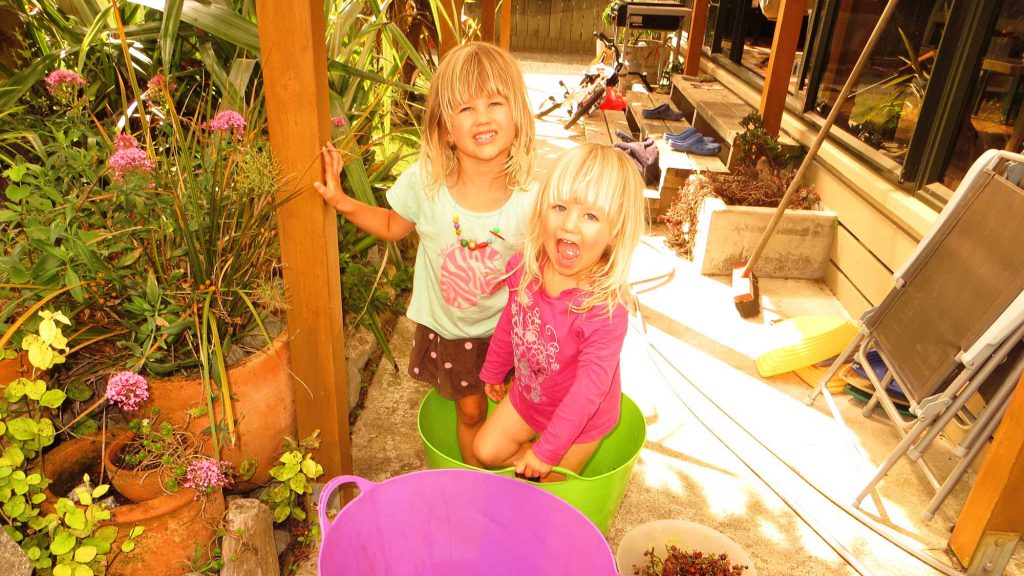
(676, 167)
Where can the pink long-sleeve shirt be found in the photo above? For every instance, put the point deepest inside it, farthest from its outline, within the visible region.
(566, 384)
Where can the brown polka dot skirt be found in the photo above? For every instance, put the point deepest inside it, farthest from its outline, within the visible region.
(450, 366)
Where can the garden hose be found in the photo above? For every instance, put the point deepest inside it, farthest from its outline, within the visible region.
(908, 545)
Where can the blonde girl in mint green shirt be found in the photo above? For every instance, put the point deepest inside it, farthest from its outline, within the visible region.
(466, 197)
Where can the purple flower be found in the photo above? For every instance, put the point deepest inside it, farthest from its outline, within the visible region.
(127, 390)
(227, 121)
(204, 475)
(156, 82)
(128, 157)
(63, 85)
(338, 121)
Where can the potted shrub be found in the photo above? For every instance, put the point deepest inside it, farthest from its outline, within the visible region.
(717, 218)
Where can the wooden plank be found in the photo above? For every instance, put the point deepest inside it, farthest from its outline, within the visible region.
(872, 279)
(780, 63)
(886, 241)
(595, 128)
(488, 16)
(698, 23)
(617, 121)
(298, 119)
(845, 291)
(505, 38)
(996, 501)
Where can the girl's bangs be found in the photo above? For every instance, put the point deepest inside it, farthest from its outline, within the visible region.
(596, 183)
(479, 76)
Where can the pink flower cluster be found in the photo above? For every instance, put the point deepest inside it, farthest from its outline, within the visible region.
(128, 157)
(63, 85)
(204, 475)
(338, 121)
(227, 121)
(127, 390)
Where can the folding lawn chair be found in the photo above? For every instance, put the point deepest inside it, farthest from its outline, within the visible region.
(954, 314)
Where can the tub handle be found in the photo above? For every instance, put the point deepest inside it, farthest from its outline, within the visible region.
(363, 484)
(570, 476)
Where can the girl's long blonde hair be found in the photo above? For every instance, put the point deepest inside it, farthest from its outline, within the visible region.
(606, 178)
(471, 71)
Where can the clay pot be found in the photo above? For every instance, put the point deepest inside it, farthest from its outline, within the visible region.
(261, 389)
(175, 524)
(135, 485)
(13, 368)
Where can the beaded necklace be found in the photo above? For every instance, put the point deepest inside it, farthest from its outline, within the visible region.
(474, 244)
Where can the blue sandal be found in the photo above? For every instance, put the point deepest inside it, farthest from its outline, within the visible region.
(698, 146)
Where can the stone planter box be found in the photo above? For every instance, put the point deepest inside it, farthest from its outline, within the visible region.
(799, 247)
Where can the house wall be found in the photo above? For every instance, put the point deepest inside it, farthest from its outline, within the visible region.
(879, 225)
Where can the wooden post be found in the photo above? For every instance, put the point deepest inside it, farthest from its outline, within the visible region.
(505, 39)
(488, 12)
(293, 54)
(695, 37)
(996, 501)
(780, 63)
(449, 25)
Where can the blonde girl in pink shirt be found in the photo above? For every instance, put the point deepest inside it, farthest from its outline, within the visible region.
(562, 330)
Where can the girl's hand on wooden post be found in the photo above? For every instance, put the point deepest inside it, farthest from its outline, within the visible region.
(331, 191)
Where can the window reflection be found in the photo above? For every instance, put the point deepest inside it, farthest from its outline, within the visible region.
(995, 118)
(883, 108)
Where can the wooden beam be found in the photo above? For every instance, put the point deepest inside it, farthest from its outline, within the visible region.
(505, 39)
(488, 14)
(780, 63)
(449, 27)
(996, 501)
(293, 54)
(695, 37)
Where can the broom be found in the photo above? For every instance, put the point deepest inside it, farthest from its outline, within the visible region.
(746, 294)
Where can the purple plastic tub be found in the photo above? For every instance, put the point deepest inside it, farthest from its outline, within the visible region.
(458, 523)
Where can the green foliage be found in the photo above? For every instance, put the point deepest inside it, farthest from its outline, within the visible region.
(160, 447)
(755, 142)
(290, 492)
(70, 541)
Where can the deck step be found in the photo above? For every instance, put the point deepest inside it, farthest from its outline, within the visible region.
(716, 111)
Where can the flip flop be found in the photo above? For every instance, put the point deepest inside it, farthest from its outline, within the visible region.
(698, 147)
(662, 112)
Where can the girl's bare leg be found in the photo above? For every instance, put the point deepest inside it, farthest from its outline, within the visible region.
(503, 437)
(471, 412)
(575, 459)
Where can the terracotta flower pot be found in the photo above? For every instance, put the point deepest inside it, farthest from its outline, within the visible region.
(175, 524)
(135, 485)
(261, 389)
(13, 368)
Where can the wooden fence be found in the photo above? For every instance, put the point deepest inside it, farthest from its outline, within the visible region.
(560, 26)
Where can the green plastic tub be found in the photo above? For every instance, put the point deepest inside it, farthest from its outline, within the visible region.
(596, 492)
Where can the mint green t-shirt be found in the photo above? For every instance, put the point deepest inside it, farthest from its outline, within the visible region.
(458, 292)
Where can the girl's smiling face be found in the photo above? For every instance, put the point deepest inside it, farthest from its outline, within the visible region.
(482, 128)
(575, 235)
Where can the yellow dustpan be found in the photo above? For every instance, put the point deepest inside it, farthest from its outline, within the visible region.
(803, 341)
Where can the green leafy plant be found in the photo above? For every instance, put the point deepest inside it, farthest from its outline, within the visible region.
(72, 539)
(290, 492)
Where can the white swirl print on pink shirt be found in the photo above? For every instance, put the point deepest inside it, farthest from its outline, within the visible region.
(536, 346)
(467, 275)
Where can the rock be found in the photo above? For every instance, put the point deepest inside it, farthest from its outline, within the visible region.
(248, 547)
(282, 539)
(13, 558)
(359, 346)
